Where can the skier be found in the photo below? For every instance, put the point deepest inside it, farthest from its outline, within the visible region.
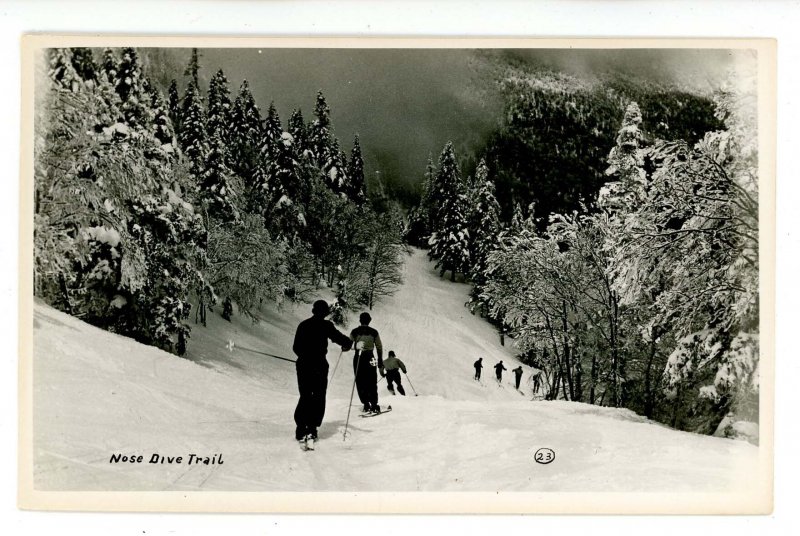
(517, 375)
(393, 367)
(365, 363)
(498, 369)
(537, 381)
(227, 309)
(478, 366)
(311, 346)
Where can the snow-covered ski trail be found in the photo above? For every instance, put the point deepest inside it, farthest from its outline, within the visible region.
(96, 394)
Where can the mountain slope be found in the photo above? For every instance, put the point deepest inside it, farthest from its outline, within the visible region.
(97, 394)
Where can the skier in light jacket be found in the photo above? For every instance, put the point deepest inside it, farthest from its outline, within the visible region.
(366, 364)
(393, 367)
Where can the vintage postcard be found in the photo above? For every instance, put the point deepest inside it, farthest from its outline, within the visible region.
(397, 275)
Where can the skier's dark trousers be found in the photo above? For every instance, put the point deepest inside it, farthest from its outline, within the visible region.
(311, 346)
(517, 375)
(478, 366)
(498, 369)
(393, 367)
(365, 365)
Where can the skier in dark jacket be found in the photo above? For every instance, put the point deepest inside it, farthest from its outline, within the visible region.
(311, 347)
(227, 309)
(393, 367)
(498, 369)
(517, 375)
(478, 366)
(365, 364)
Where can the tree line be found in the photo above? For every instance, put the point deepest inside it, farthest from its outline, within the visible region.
(149, 208)
(645, 294)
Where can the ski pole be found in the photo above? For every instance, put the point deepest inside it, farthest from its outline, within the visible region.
(411, 384)
(350, 405)
(337, 364)
(231, 346)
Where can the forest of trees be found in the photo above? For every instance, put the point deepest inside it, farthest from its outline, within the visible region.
(631, 279)
(149, 208)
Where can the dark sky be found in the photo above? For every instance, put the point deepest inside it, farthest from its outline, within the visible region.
(406, 104)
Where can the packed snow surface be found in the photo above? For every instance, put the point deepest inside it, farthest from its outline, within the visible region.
(97, 395)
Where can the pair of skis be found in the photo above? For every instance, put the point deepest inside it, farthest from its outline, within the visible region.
(368, 415)
(310, 443)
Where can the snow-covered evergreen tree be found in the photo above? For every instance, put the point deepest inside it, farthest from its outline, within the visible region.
(319, 132)
(484, 221)
(193, 69)
(450, 239)
(192, 135)
(162, 125)
(246, 137)
(297, 128)
(130, 86)
(219, 108)
(356, 187)
(113, 244)
(109, 65)
(214, 182)
(174, 105)
(626, 162)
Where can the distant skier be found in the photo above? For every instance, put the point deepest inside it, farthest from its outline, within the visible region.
(498, 370)
(393, 367)
(537, 381)
(517, 375)
(478, 366)
(366, 364)
(227, 309)
(311, 346)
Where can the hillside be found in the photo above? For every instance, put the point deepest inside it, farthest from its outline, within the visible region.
(97, 394)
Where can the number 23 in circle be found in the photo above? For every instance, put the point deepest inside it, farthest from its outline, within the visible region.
(544, 456)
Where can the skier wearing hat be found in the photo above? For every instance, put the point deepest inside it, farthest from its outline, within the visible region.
(365, 364)
(517, 375)
(393, 367)
(498, 369)
(478, 366)
(311, 347)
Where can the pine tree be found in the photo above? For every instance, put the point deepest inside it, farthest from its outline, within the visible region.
(162, 125)
(174, 105)
(450, 239)
(626, 162)
(245, 136)
(484, 221)
(214, 182)
(193, 137)
(83, 63)
(193, 69)
(356, 188)
(297, 128)
(320, 133)
(271, 134)
(130, 86)
(219, 108)
(109, 66)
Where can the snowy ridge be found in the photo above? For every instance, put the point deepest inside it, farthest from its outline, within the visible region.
(97, 394)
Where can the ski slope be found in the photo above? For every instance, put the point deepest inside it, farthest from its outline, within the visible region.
(97, 394)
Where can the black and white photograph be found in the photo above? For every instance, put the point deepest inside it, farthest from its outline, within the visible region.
(386, 266)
